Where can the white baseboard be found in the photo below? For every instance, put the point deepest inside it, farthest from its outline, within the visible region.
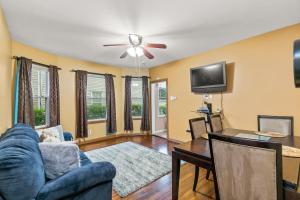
(160, 131)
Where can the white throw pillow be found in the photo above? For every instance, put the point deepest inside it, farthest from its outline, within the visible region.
(53, 134)
(61, 132)
(59, 158)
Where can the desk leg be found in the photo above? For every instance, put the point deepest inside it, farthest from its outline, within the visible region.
(175, 176)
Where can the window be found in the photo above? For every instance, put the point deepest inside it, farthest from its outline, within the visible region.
(162, 97)
(40, 93)
(136, 97)
(96, 97)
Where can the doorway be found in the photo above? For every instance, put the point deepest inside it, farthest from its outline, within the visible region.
(159, 108)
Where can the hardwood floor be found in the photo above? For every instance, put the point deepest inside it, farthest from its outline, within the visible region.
(161, 189)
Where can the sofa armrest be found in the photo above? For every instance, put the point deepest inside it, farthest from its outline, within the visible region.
(77, 180)
(68, 136)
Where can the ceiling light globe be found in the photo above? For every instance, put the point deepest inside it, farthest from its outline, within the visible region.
(135, 51)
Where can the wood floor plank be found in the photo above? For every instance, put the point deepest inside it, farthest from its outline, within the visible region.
(161, 189)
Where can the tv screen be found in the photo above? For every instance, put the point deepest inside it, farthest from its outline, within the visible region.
(297, 63)
(209, 78)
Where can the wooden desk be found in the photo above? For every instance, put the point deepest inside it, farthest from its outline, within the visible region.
(197, 152)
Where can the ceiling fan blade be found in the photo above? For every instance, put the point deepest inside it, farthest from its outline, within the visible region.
(147, 54)
(124, 54)
(153, 45)
(114, 45)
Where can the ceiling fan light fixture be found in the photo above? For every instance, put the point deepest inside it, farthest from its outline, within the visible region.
(135, 39)
(135, 51)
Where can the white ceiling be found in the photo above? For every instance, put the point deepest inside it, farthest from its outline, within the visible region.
(79, 28)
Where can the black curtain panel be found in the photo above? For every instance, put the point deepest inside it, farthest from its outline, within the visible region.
(25, 100)
(145, 122)
(111, 122)
(128, 124)
(54, 101)
(81, 110)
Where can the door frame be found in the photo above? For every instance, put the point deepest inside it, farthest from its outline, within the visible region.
(167, 103)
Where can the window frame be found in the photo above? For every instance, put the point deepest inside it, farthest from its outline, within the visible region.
(161, 99)
(141, 98)
(41, 68)
(98, 120)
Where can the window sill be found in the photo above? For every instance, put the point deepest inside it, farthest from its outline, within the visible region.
(41, 127)
(96, 121)
(161, 116)
(136, 118)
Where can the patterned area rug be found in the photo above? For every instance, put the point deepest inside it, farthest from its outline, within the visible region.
(136, 165)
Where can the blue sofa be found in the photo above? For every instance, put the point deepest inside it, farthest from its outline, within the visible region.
(22, 175)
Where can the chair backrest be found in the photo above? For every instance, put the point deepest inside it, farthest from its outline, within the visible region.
(198, 127)
(216, 123)
(246, 169)
(281, 124)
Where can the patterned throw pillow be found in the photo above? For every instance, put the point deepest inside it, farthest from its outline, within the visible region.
(53, 134)
(49, 136)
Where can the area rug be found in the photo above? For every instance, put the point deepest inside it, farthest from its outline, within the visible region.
(136, 165)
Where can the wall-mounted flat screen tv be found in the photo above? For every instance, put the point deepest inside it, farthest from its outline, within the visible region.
(209, 78)
(297, 63)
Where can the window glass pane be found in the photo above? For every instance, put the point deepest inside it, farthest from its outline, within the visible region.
(40, 92)
(96, 97)
(136, 97)
(162, 93)
(162, 107)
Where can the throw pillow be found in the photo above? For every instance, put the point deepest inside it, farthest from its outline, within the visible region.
(59, 158)
(53, 134)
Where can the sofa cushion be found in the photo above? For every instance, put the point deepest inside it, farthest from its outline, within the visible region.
(20, 131)
(84, 160)
(21, 169)
(77, 181)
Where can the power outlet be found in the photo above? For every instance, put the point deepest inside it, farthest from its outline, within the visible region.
(207, 97)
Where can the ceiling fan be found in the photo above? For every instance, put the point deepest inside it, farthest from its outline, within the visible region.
(136, 47)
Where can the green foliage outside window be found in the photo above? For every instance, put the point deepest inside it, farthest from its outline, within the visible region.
(40, 116)
(136, 110)
(96, 111)
(162, 110)
(162, 93)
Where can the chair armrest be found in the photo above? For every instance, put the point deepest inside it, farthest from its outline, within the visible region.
(68, 136)
(77, 180)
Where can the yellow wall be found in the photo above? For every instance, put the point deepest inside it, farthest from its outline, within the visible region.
(5, 76)
(261, 82)
(67, 85)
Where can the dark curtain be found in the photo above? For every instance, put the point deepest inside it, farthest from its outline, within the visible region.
(25, 100)
(128, 124)
(111, 122)
(54, 102)
(81, 110)
(145, 122)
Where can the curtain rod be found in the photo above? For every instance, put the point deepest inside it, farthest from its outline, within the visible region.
(137, 76)
(73, 70)
(37, 63)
